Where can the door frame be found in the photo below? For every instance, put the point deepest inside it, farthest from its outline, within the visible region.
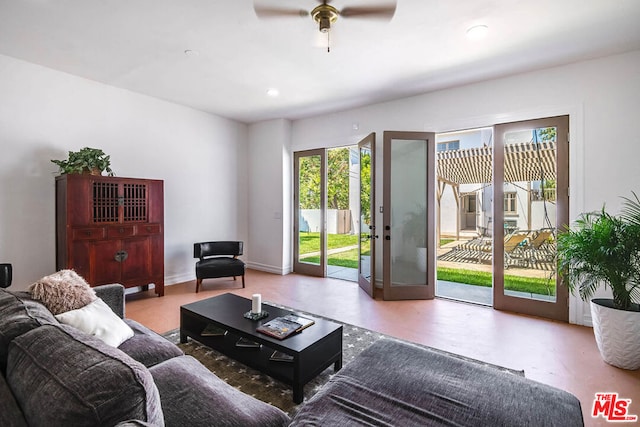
(560, 309)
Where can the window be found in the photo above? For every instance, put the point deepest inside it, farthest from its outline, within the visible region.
(510, 205)
(448, 145)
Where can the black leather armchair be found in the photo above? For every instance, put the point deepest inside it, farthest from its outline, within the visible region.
(5, 275)
(218, 259)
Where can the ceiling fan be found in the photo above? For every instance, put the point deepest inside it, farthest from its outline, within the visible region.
(325, 14)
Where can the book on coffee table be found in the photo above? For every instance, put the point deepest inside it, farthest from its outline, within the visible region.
(247, 343)
(282, 327)
(212, 331)
(278, 356)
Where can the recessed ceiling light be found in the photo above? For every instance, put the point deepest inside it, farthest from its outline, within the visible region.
(191, 52)
(477, 32)
(273, 92)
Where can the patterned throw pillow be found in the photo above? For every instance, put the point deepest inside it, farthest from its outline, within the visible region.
(62, 291)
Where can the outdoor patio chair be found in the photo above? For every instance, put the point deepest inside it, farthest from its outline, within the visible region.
(480, 249)
(514, 248)
(540, 245)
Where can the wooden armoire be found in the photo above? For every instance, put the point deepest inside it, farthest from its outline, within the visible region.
(110, 229)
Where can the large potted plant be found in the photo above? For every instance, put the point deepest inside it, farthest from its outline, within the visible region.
(604, 250)
(88, 160)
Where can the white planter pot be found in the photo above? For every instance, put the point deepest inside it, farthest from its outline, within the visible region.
(421, 259)
(617, 334)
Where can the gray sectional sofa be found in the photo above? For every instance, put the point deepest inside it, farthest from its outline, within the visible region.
(395, 383)
(55, 375)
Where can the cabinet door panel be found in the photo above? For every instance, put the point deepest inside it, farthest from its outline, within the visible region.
(80, 259)
(104, 267)
(137, 267)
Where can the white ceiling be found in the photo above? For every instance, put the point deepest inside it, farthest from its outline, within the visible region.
(140, 45)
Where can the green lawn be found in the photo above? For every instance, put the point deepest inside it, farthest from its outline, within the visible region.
(310, 242)
(513, 283)
(347, 259)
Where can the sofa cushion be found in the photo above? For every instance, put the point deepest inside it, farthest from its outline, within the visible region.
(62, 291)
(61, 376)
(19, 313)
(197, 397)
(99, 320)
(393, 383)
(10, 414)
(147, 347)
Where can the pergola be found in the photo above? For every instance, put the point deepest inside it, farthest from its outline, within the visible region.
(523, 162)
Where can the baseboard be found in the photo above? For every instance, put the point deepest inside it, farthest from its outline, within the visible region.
(268, 268)
(179, 278)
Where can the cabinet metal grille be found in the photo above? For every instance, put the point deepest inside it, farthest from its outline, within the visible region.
(135, 202)
(105, 202)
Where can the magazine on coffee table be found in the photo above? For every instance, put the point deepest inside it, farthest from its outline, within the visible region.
(282, 327)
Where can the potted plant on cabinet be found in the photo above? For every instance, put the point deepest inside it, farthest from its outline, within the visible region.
(88, 160)
(603, 249)
(415, 228)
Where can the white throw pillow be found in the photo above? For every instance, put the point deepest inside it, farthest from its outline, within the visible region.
(99, 320)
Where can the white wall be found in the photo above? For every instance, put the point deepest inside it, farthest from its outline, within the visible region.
(270, 196)
(45, 113)
(601, 96)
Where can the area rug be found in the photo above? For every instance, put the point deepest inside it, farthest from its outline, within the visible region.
(276, 393)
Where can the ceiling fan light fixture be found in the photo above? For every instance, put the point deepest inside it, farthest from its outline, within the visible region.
(325, 25)
(324, 15)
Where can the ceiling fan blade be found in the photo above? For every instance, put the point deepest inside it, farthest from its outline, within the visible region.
(275, 12)
(378, 12)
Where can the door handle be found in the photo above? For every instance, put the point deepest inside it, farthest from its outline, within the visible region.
(121, 256)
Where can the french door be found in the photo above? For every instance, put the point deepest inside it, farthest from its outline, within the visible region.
(367, 233)
(310, 238)
(409, 212)
(531, 177)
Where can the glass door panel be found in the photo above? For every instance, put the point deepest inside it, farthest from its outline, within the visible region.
(343, 199)
(532, 165)
(408, 216)
(309, 221)
(465, 215)
(367, 231)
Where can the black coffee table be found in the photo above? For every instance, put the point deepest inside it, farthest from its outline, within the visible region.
(314, 349)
